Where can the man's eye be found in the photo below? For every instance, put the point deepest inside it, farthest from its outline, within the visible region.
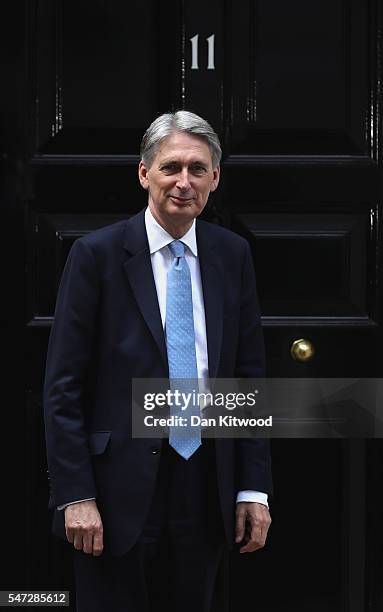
(198, 169)
(169, 168)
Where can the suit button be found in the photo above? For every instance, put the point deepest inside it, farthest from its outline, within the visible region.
(154, 451)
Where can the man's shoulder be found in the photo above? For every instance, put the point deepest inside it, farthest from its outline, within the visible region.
(104, 235)
(221, 235)
(110, 236)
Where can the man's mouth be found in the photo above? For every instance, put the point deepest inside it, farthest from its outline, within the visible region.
(180, 199)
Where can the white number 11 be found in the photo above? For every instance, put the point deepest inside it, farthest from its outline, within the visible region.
(210, 57)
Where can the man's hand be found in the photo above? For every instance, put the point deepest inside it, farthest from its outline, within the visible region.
(83, 527)
(252, 524)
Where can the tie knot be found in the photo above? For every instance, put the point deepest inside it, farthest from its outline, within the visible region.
(177, 248)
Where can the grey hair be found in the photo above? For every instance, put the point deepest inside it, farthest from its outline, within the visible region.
(180, 121)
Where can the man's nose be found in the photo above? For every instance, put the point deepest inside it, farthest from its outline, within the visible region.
(183, 180)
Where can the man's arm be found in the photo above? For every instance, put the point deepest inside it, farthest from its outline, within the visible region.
(69, 357)
(253, 455)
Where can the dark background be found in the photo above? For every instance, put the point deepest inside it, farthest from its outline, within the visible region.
(296, 96)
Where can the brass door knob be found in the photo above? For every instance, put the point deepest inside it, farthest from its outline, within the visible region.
(302, 350)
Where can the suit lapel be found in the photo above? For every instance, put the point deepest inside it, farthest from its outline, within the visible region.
(212, 276)
(139, 271)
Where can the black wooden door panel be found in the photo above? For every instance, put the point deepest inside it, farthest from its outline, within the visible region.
(311, 265)
(299, 78)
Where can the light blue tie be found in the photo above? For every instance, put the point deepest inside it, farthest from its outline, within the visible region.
(180, 341)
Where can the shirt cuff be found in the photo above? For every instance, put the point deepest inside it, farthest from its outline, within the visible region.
(253, 496)
(74, 502)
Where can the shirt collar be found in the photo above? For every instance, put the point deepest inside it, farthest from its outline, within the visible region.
(158, 237)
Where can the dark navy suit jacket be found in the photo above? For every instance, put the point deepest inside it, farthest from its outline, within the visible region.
(107, 330)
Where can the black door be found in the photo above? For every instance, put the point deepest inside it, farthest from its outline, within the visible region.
(294, 89)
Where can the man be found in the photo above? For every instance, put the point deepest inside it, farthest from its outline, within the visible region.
(125, 504)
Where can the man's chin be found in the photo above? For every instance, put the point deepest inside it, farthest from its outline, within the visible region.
(187, 210)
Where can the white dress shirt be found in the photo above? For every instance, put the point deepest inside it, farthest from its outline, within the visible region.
(161, 259)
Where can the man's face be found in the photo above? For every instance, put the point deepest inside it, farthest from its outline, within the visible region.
(179, 181)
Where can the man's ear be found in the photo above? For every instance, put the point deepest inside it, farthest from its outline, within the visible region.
(216, 175)
(143, 175)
